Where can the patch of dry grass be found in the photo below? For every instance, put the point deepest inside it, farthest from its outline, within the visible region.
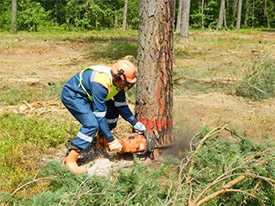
(222, 55)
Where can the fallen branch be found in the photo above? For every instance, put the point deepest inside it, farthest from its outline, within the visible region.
(204, 81)
(31, 182)
(226, 188)
(266, 179)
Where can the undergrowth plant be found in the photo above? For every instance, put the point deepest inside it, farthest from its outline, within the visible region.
(136, 186)
(260, 83)
(23, 142)
(221, 168)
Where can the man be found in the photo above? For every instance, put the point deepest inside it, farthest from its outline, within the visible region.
(96, 97)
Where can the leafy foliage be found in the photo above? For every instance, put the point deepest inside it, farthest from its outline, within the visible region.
(36, 15)
(31, 15)
(68, 14)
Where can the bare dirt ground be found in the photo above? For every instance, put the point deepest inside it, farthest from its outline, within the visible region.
(55, 60)
(254, 119)
(45, 60)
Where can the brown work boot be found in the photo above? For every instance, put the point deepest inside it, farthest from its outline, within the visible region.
(70, 161)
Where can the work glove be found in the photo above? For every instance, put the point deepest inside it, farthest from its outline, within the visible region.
(115, 146)
(139, 127)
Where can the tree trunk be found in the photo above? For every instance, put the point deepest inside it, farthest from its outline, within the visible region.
(185, 19)
(247, 10)
(253, 13)
(224, 14)
(154, 99)
(13, 15)
(266, 14)
(179, 17)
(202, 14)
(221, 15)
(239, 17)
(124, 24)
(235, 6)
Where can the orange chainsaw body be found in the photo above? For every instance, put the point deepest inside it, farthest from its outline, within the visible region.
(133, 143)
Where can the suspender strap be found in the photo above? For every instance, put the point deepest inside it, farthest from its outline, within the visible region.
(82, 86)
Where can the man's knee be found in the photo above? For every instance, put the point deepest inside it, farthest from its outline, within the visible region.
(85, 136)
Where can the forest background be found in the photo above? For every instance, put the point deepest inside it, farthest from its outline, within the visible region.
(45, 15)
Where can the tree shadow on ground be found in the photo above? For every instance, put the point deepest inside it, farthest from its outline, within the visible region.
(269, 30)
(111, 50)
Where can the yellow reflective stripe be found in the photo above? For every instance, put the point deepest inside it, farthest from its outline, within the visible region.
(82, 86)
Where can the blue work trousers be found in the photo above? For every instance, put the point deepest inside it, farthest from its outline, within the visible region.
(81, 108)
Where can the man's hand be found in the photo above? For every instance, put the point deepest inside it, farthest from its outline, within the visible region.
(140, 127)
(115, 146)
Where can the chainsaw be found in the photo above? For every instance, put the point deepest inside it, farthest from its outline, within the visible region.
(140, 144)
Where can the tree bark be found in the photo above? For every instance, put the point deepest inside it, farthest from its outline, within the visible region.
(221, 15)
(224, 14)
(124, 24)
(202, 14)
(13, 15)
(239, 17)
(154, 99)
(253, 14)
(179, 17)
(184, 28)
(266, 14)
(247, 10)
(235, 8)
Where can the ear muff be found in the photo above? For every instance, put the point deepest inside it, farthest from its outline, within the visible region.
(120, 72)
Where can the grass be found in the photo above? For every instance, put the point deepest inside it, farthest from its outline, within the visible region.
(106, 34)
(17, 93)
(210, 59)
(23, 141)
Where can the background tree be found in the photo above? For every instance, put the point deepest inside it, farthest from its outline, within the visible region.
(13, 14)
(222, 15)
(179, 16)
(202, 14)
(154, 99)
(124, 24)
(35, 15)
(184, 28)
(266, 13)
(239, 17)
